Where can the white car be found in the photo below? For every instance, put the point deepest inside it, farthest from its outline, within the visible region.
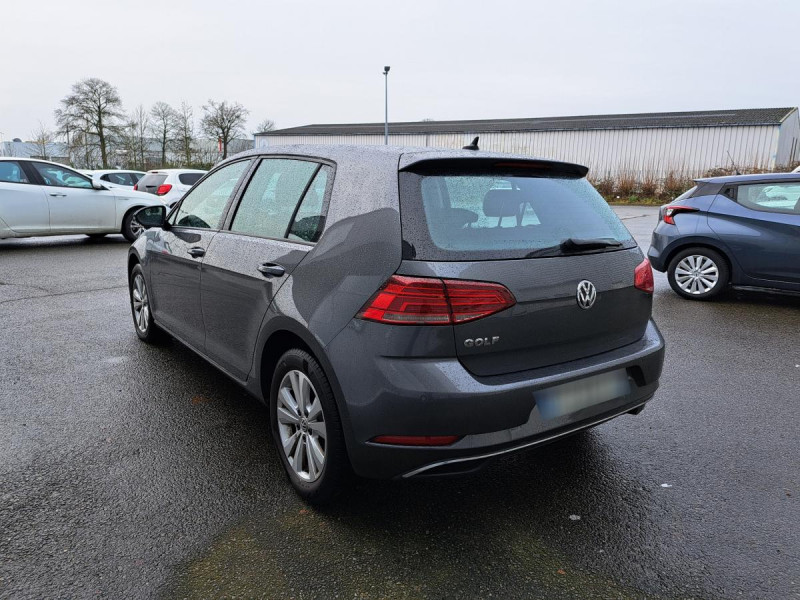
(169, 184)
(116, 178)
(796, 170)
(38, 197)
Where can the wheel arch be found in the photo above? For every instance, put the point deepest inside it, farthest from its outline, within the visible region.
(282, 334)
(687, 243)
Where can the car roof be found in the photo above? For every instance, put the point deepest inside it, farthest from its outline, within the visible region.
(38, 160)
(754, 178)
(170, 171)
(404, 155)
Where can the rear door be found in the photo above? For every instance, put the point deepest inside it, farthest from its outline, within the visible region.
(178, 252)
(75, 206)
(277, 221)
(23, 203)
(760, 223)
(506, 224)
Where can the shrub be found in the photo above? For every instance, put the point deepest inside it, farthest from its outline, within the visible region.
(625, 184)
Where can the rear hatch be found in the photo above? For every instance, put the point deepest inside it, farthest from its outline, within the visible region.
(540, 229)
(150, 182)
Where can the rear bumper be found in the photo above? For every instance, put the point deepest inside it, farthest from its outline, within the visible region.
(658, 252)
(495, 415)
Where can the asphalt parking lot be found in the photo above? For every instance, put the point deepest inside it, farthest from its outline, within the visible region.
(135, 471)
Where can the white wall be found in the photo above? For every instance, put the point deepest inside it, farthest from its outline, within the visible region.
(789, 140)
(691, 150)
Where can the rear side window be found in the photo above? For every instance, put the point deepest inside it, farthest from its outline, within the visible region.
(150, 182)
(489, 216)
(11, 172)
(189, 178)
(310, 218)
(272, 196)
(771, 197)
(118, 178)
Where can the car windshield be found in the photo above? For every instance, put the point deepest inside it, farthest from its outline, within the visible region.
(497, 216)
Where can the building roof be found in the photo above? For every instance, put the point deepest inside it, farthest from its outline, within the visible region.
(700, 118)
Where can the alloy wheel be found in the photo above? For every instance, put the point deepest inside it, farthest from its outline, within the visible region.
(136, 228)
(141, 303)
(696, 274)
(301, 425)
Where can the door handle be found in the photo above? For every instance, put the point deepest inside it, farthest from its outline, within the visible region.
(58, 194)
(271, 270)
(197, 252)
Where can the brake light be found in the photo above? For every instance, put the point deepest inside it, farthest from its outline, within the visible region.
(163, 189)
(643, 277)
(670, 210)
(417, 440)
(135, 186)
(433, 301)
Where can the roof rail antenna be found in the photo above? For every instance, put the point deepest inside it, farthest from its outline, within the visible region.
(473, 145)
(735, 168)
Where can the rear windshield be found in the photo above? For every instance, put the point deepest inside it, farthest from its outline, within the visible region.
(489, 216)
(150, 182)
(189, 178)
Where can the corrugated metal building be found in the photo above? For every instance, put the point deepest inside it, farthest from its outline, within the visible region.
(687, 142)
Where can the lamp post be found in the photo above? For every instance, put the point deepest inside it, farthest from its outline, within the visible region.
(386, 106)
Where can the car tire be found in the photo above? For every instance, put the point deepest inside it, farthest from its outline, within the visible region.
(308, 436)
(698, 273)
(131, 230)
(139, 295)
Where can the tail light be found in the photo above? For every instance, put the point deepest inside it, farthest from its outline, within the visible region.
(643, 277)
(670, 210)
(432, 301)
(417, 440)
(135, 186)
(163, 189)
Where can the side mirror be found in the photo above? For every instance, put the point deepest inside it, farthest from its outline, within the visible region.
(151, 216)
(97, 185)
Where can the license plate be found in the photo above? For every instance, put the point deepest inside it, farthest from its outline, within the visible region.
(571, 397)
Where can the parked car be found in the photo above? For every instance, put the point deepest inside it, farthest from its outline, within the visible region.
(38, 197)
(796, 169)
(742, 231)
(403, 312)
(169, 184)
(114, 178)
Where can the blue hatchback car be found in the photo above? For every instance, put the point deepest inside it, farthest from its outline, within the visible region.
(742, 231)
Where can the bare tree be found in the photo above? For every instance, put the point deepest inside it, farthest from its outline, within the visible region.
(135, 138)
(264, 126)
(184, 139)
(163, 127)
(41, 138)
(93, 110)
(223, 121)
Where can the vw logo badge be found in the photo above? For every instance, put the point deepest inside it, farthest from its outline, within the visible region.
(587, 294)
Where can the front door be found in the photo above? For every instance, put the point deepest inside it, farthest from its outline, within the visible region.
(23, 204)
(179, 250)
(278, 220)
(75, 206)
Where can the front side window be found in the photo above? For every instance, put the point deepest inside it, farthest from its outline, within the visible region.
(189, 178)
(55, 175)
(771, 197)
(203, 206)
(268, 204)
(11, 172)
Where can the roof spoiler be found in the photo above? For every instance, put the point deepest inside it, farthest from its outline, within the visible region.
(508, 165)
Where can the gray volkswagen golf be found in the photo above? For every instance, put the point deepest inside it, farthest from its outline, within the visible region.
(404, 312)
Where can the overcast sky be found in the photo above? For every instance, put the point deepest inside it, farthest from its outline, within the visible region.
(315, 62)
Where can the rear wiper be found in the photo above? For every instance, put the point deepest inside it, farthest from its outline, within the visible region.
(573, 245)
(578, 244)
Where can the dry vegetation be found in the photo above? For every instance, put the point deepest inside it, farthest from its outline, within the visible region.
(649, 186)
